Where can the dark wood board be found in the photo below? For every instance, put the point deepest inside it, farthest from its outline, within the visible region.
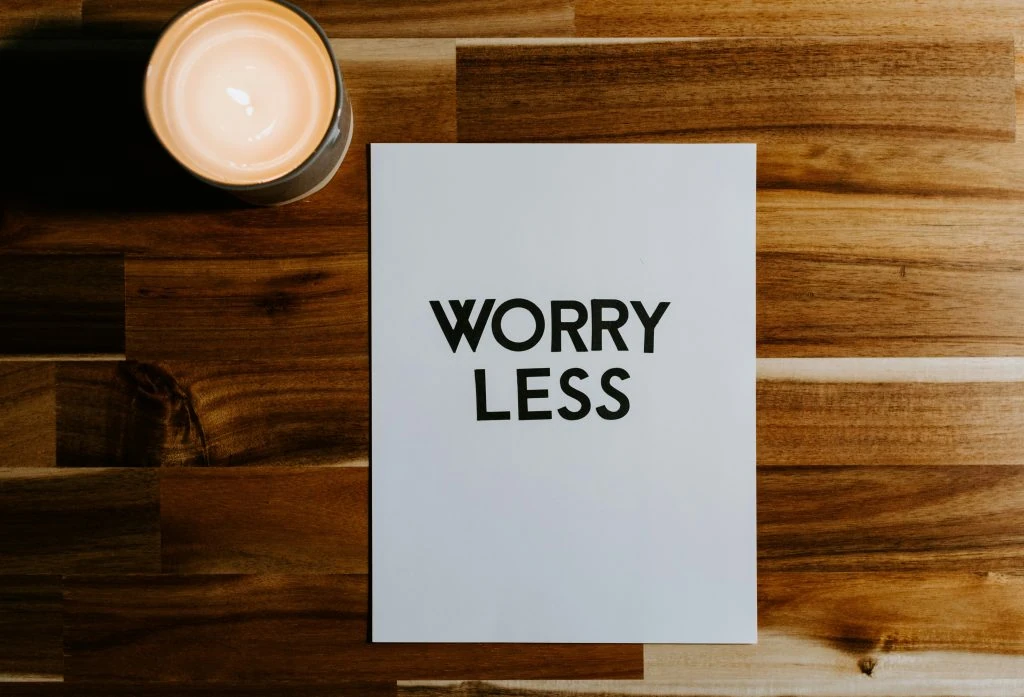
(32, 629)
(224, 413)
(309, 629)
(847, 422)
(66, 306)
(61, 520)
(65, 689)
(27, 415)
(363, 18)
(265, 520)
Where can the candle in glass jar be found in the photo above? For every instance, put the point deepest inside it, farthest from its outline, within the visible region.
(247, 95)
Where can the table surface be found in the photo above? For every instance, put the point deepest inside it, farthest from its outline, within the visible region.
(184, 390)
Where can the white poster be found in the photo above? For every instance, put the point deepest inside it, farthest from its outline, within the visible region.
(563, 393)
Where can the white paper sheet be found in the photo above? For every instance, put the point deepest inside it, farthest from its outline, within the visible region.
(639, 528)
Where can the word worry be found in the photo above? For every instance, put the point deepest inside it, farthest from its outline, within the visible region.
(572, 328)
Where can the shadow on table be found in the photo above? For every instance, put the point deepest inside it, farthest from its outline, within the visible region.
(74, 135)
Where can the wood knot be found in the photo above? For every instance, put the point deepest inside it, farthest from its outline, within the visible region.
(867, 665)
(276, 303)
(159, 424)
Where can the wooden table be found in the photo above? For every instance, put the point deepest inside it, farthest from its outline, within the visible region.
(183, 396)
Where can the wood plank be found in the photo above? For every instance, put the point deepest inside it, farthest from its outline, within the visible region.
(1019, 72)
(832, 635)
(870, 248)
(136, 200)
(61, 305)
(265, 520)
(57, 520)
(736, 89)
(797, 17)
(895, 614)
(892, 370)
(226, 413)
(778, 666)
(27, 415)
(63, 689)
(890, 423)
(890, 518)
(22, 19)
(220, 309)
(365, 18)
(30, 625)
(823, 304)
(882, 275)
(842, 170)
(268, 628)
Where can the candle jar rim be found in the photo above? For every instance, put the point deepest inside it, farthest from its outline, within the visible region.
(325, 139)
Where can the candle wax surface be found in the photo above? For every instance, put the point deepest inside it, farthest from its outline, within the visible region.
(241, 91)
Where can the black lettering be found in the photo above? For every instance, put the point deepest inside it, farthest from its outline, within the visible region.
(462, 327)
(612, 326)
(622, 399)
(559, 325)
(579, 396)
(499, 333)
(649, 322)
(525, 394)
(481, 400)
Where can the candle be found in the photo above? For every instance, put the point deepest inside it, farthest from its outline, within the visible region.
(247, 95)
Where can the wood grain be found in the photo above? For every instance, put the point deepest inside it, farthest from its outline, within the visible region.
(890, 518)
(736, 89)
(303, 629)
(56, 520)
(217, 309)
(134, 199)
(833, 635)
(899, 249)
(906, 175)
(890, 423)
(881, 620)
(31, 628)
(892, 369)
(20, 19)
(225, 413)
(364, 18)
(394, 83)
(108, 689)
(265, 520)
(778, 666)
(822, 304)
(61, 305)
(1019, 71)
(27, 415)
(797, 17)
